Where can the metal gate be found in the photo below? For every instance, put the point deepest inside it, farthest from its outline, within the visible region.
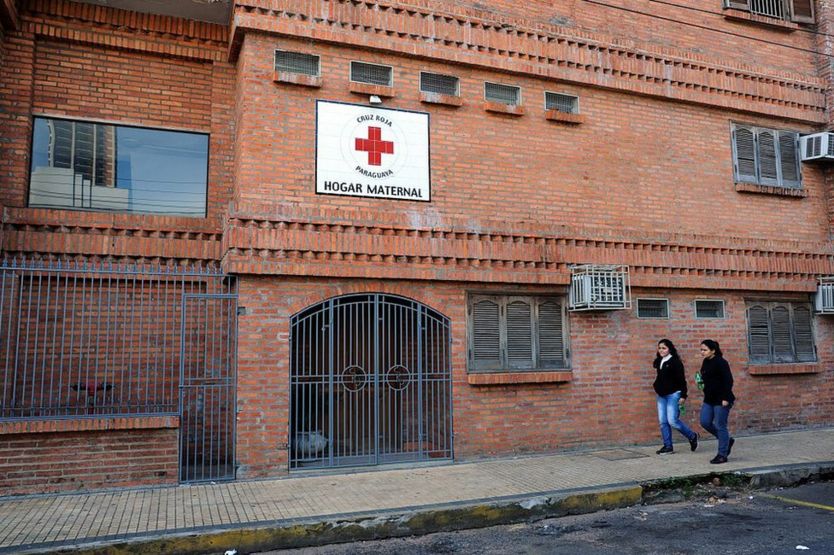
(208, 387)
(370, 383)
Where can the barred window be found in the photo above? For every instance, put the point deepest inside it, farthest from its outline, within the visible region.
(780, 332)
(516, 333)
(372, 74)
(439, 84)
(800, 11)
(503, 94)
(652, 308)
(561, 102)
(709, 309)
(297, 62)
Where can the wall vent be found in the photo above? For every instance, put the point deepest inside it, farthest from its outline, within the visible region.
(437, 83)
(372, 74)
(560, 102)
(502, 94)
(297, 62)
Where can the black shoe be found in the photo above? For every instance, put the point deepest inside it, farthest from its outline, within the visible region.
(730, 446)
(718, 459)
(693, 443)
(664, 450)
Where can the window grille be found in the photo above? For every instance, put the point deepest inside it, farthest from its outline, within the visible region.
(372, 74)
(825, 295)
(566, 103)
(766, 156)
(800, 11)
(709, 309)
(503, 94)
(85, 339)
(297, 62)
(780, 332)
(439, 84)
(652, 308)
(771, 8)
(599, 287)
(516, 333)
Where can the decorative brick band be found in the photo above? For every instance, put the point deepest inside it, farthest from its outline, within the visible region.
(124, 29)
(524, 47)
(266, 246)
(123, 237)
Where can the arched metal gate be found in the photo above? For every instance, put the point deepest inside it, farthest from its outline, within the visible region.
(370, 383)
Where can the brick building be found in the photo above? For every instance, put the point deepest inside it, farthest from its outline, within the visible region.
(248, 238)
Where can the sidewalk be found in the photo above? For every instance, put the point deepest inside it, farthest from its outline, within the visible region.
(328, 507)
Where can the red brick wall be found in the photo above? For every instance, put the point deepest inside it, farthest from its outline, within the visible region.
(59, 462)
(68, 59)
(608, 401)
(636, 164)
(701, 28)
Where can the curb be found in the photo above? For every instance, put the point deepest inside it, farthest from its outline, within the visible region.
(285, 534)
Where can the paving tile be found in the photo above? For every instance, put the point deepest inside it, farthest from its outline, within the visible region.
(43, 519)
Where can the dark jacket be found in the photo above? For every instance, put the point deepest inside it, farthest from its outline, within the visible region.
(670, 377)
(718, 381)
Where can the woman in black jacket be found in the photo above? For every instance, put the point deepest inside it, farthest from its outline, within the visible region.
(670, 386)
(718, 397)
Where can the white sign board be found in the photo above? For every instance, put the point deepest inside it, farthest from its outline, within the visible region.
(366, 151)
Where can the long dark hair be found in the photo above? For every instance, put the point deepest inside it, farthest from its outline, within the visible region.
(672, 351)
(712, 346)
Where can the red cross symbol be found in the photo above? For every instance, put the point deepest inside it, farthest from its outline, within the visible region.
(375, 146)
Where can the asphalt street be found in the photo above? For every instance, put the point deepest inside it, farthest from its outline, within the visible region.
(773, 522)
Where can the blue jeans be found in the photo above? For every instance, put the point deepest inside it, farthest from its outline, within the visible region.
(668, 414)
(714, 420)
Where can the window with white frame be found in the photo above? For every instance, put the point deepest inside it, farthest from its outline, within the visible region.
(652, 308)
(766, 156)
(511, 333)
(780, 332)
(799, 11)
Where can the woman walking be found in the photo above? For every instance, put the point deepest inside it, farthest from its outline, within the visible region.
(718, 397)
(670, 386)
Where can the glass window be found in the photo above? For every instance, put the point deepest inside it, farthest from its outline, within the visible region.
(110, 168)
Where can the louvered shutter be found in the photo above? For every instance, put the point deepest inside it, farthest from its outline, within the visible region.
(551, 336)
(803, 334)
(768, 172)
(744, 149)
(519, 335)
(789, 159)
(758, 334)
(486, 335)
(802, 11)
(737, 4)
(780, 321)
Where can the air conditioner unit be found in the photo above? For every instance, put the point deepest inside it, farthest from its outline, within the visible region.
(817, 147)
(825, 295)
(599, 287)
